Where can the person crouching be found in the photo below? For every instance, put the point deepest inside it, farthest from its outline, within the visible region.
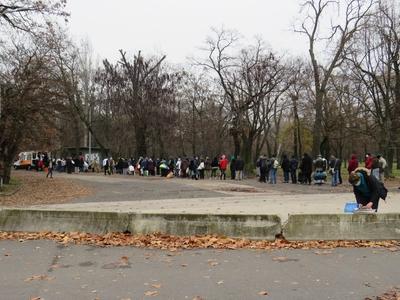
(367, 189)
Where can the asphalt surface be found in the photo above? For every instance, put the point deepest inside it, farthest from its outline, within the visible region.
(131, 188)
(52, 271)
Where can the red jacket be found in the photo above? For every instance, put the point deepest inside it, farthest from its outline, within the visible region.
(353, 164)
(223, 164)
(368, 162)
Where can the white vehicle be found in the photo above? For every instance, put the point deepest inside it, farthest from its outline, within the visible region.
(28, 159)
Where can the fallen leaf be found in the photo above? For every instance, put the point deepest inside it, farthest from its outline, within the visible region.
(163, 241)
(263, 293)
(280, 258)
(157, 286)
(151, 293)
(323, 252)
(38, 277)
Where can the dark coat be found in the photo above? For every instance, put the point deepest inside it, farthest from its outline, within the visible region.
(239, 165)
(376, 188)
(294, 164)
(286, 164)
(215, 163)
(306, 165)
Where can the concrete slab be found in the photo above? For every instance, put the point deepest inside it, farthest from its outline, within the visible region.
(245, 204)
(240, 226)
(342, 227)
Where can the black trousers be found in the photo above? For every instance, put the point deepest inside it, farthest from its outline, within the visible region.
(293, 175)
(263, 174)
(307, 177)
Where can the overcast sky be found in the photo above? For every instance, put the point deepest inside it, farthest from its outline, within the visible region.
(178, 28)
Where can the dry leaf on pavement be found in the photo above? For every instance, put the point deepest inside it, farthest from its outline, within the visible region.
(151, 293)
(38, 277)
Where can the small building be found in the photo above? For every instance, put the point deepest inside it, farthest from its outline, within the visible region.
(96, 153)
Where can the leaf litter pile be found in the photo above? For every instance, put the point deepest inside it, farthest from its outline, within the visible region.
(169, 242)
(37, 189)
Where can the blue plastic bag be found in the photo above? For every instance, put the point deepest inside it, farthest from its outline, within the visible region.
(350, 207)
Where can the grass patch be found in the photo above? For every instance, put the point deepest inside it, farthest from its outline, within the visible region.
(13, 186)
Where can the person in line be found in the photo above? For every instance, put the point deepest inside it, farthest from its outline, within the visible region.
(352, 164)
(207, 167)
(286, 168)
(273, 170)
(334, 165)
(320, 167)
(294, 164)
(239, 167)
(262, 163)
(382, 167)
(223, 164)
(105, 165)
(367, 189)
(368, 161)
(214, 167)
(201, 169)
(375, 167)
(306, 168)
(232, 168)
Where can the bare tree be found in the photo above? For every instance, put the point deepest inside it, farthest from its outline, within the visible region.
(28, 101)
(375, 64)
(338, 37)
(29, 15)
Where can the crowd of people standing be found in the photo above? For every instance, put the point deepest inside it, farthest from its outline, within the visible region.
(303, 171)
(308, 170)
(194, 168)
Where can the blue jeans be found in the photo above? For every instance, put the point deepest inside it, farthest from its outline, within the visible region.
(335, 178)
(286, 176)
(272, 176)
(375, 173)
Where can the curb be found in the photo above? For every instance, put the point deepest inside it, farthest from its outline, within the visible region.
(264, 227)
(299, 227)
(342, 227)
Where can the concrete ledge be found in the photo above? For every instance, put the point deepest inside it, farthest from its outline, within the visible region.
(240, 226)
(298, 227)
(62, 221)
(342, 227)
(246, 226)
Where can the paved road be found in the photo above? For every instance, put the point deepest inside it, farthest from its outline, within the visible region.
(132, 188)
(51, 271)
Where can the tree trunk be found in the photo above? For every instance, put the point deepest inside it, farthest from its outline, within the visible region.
(193, 129)
(141, 146)
(317, 130)
(236, 142)
(247, 149)
(6, 161)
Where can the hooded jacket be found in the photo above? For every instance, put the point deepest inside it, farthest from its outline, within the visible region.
(353, 164)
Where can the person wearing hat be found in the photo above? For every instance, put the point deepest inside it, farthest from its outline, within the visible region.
(367, 189)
